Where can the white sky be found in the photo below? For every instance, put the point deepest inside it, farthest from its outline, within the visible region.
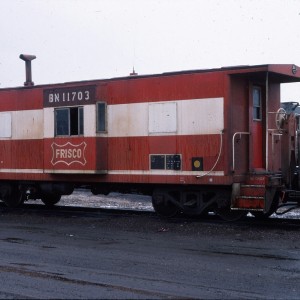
(95, 39)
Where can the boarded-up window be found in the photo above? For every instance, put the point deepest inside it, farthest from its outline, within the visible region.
(5, 125)
(163, 117)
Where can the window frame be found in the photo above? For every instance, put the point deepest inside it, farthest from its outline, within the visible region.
(105, 117)
(255, 108)
(80, 124)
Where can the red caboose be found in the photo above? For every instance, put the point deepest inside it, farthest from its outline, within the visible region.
(195, 140)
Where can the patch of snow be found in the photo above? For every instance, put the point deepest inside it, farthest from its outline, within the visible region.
(84, 198)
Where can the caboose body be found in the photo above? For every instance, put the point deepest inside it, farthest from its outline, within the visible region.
(195, 140)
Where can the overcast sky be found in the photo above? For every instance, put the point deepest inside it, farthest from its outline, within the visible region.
(95, 39)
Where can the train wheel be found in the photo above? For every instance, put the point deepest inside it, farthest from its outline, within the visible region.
(50, 199)
(12, 196)
(163, 204)
(224, 211)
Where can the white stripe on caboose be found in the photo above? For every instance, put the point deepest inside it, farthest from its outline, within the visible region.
(180, 117)
(22, 124)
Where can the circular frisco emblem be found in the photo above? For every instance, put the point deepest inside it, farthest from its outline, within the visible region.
(294, 69)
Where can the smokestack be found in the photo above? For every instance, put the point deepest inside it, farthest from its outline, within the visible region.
(28, 58)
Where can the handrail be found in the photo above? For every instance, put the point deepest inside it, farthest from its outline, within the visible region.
(233, 148)
(273, 133)
(216, 162)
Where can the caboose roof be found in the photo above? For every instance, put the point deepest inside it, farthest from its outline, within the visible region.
(280, 73)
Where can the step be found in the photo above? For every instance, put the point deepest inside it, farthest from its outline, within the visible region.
(294, 195)
(252, 190)
(253, 185)
(252, 194)
(247, 209)
(250, 197)
(249, 202)
(257, 180)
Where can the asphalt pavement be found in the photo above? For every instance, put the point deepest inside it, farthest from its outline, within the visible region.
(107, 255)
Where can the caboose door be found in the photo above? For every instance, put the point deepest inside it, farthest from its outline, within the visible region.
(257, 127)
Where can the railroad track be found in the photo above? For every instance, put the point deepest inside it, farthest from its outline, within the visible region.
(95, 212)
(59, 210)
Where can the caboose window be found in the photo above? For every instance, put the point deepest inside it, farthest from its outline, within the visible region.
(62, 121)
(101, 117)
(256, 103)
(69, 121)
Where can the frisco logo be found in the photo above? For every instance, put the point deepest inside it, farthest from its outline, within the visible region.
(68, 153)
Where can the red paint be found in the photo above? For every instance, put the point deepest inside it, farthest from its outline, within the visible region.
(132, 153)
(21, 99)
(257, 136)
(21, 154)
(107, 153)
(162, 88)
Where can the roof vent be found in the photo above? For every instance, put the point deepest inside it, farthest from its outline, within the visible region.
(28, 58)
(133, 73)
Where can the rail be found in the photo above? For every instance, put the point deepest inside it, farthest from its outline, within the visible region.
(233, 146)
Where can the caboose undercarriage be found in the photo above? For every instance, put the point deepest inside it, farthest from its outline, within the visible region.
(260, 195)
